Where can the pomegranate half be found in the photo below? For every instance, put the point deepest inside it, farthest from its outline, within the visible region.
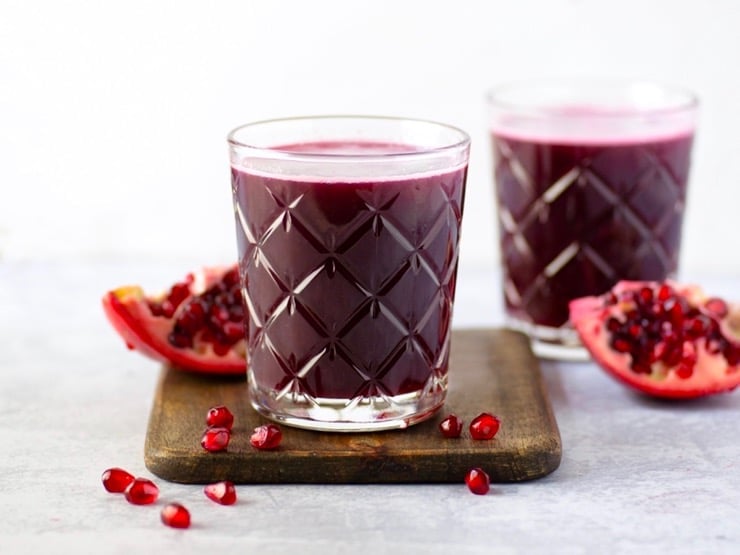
(663, 339)
(196, 325)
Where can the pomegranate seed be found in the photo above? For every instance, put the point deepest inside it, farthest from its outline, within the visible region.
(168, 309)
(215, 439)
(221, 492)
(621, 345)
(665, 291)
(116, 480)
(732, 354)
(484, 426)
(613, 325)
(175, 515)
(220, 416)
(142, 492)
(684, 371)
(267, 436)
(645, 295)
(234, 331)
(717, 307)
(478, 481)
(451, 426)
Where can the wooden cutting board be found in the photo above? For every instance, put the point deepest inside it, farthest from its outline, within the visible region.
(491, 370)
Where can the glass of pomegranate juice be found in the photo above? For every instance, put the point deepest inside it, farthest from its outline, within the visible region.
(348, 231)
(590, 180)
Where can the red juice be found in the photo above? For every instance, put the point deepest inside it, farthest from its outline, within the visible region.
(578, 213)
(350, 281)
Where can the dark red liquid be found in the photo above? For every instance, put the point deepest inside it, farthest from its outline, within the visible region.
(350, 284)
(579, 217)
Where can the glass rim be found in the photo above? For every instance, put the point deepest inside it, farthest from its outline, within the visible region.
(463, 139)
(496, 97)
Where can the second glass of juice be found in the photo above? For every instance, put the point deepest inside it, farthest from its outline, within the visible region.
(348, 233)
(591, 180)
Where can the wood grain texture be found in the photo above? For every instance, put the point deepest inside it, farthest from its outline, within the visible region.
(491, 370)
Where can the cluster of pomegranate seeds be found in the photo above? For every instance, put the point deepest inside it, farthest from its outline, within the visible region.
(116, 480)
(660, 327)
(484, 426)
(175, 515)
(451, 426)
(478, 481)
(267, 436)
(223, 493)
(175, 296)
(215, 438)
(142, 492)
(217, 435)
(216, 316)
(220, 416)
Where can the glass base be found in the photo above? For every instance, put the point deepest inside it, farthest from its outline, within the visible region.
(552, 343)
(362, 414)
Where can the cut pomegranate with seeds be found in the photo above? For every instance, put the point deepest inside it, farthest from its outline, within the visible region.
(220, 416)
(116, 480)
(451, 426)
(267, 436)
(142, 492)
(215, 439)
(197, 325)
(484, 426)
(664, 339)
(478, 481)
(175, 515)
(221, 492)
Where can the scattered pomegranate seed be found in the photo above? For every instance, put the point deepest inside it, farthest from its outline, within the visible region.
(116, 480)
(221, 492)
(175, 515)
(451, 426)
(484, 426)
(215, 439)
(220, 416)
(478, 481)
(142, 492)
(267, 436)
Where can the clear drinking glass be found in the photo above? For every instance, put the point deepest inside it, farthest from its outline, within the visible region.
(348, 232)
(590, 180)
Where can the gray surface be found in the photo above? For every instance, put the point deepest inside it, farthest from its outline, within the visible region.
(637, 476)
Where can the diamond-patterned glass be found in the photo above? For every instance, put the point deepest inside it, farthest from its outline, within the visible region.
(349, 286)
(574, 219)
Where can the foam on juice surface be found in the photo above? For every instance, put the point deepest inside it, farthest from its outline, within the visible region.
(349, 161)
(594, 126)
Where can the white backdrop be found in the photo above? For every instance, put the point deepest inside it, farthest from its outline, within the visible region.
(113, 115)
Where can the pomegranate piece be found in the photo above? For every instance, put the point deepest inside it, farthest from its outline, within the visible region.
(220, 416)
(142, 492)
(116, 480)
(267, 436)
(484, 426)
(223, 493)
(197, 324)
(175, 515)
(663, 339)
(451, 426)
(215, 439)
(478, 481)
